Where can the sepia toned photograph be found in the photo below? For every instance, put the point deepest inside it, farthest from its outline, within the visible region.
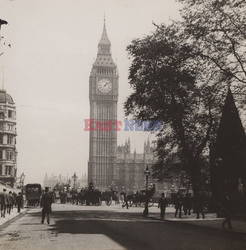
(123, 124)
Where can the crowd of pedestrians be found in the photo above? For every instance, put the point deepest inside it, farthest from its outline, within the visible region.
(8, 201)
(183, 204)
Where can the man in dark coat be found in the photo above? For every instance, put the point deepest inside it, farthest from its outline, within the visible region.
(125, 202)
(199, 203)
(19, 202)
(11, 202)
(162, 205)
(178, 204)
(187, 204)
(227, 211)
(46, 202)
(4, 202)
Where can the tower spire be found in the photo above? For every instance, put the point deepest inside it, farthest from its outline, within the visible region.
(104, 46)
(104, 38)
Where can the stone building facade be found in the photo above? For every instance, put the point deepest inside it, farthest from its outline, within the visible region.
(8, 152)
(130, 167)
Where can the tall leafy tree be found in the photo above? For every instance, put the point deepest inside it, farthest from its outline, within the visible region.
(169, 86)
(217, 29)
(179, 75)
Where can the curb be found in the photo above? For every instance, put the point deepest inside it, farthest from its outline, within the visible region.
(221, 230)
(6, 223)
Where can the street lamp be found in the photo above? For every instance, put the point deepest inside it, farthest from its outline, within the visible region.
(75, 177)
(146, 209)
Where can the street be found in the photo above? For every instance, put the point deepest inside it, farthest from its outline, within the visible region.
(108, 227)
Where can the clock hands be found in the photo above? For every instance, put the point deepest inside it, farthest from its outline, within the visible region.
(105, 84)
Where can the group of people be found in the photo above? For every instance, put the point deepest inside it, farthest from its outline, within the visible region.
(185, 202)
(8, 201)
(197, 203)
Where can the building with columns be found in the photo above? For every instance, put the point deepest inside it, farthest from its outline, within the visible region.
(8, 152)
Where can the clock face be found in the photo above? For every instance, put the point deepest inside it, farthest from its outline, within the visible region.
(104, 85)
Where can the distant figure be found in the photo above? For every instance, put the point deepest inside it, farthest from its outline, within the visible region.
(19, 202)
(199, 205)
(46, 202)
(11, 202)
(162, 205)
(187, 204)
(91, 185)
(227, 209)
(125, 202)
(4, 202)
(178, 204)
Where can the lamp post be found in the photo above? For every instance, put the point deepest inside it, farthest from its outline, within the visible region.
(75, 177)
(146, 209)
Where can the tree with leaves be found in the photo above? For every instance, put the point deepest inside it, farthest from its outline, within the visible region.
(217, 29)
(166, 86)
(179, 75)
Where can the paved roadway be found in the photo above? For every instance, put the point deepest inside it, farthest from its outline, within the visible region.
(83, 227)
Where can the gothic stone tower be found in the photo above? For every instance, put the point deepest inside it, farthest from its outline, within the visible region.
(103, 95)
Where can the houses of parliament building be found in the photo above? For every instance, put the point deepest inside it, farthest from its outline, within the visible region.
(108, 163)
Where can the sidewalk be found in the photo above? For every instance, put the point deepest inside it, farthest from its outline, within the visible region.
(10, 217)
(210, 221)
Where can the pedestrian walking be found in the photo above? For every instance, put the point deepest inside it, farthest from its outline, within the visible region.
(227, 209)
(199, 206)
(91, 185)
(4, 202)
(46, 202)
(19, 202)
(10, 203)
(187, 204)
(162, 205)
(125, 201)
(178, 204)
(14, 199)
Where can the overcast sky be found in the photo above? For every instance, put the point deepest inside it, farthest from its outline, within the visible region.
(46, 71)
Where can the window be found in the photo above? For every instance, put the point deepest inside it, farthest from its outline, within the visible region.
(10, 140)
(1, 115)
(10, 113)
(1, 154)
(10, 127)
(9, 155)
(8, 170)
(1, 170)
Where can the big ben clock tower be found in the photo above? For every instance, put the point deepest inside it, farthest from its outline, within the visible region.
(103, 110)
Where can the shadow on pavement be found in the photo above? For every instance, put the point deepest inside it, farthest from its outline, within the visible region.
(130, 230)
